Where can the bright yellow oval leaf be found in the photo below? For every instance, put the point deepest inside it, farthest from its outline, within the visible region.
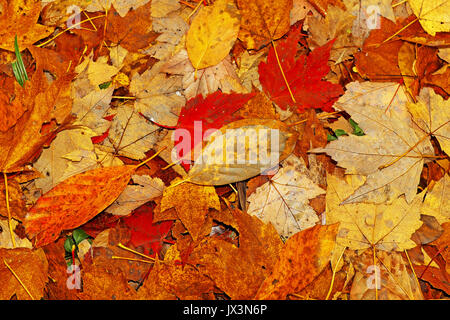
(212, 34)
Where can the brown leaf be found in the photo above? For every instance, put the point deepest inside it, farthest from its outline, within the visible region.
(23, 141)
(302, 259)
(132, 32)
(16, 203)
(30, 266)
(263, 21)
(191, 203)
(20, 18)
(239, 270)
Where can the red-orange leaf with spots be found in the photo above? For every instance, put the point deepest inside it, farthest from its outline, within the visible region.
(75, 201)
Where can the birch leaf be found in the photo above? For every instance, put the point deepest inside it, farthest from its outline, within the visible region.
(212, 34)
(284, 199)
(378, 154)
(383, 226)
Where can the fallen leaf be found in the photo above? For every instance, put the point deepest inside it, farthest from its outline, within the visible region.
(431, 114)
(284, 199)
(394, 277)
(380, 110)
(212, 34)
(19, 18)
(437, 202)
(433, 15)
(242, 158)
(191, 203)
(221, 76)
(302, 259)
(304, 76)
(239, 270)
(133, 196)
(30, 266)
(70, 203)
(382, 226)
(263, 22)
(158, 97)
(200, 115)
(131, 135)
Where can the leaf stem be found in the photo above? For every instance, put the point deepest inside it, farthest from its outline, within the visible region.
(18, 279)
(153, 156)
(282, 72)
(13, 240)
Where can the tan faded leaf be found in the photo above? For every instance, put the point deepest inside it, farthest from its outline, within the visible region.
(390, 153)
(130, 134)
(239, 270)
(158, 97)
(432, 115)
(133, 196)
(20, 18)
(284, 199)
(437, 201)
(221, 76)
(395, 279)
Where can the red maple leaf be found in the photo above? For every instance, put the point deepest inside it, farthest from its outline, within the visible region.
(144, 232)
(201, 114)
(304, 76)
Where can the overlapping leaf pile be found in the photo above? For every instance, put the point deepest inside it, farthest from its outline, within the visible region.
(106, 187)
